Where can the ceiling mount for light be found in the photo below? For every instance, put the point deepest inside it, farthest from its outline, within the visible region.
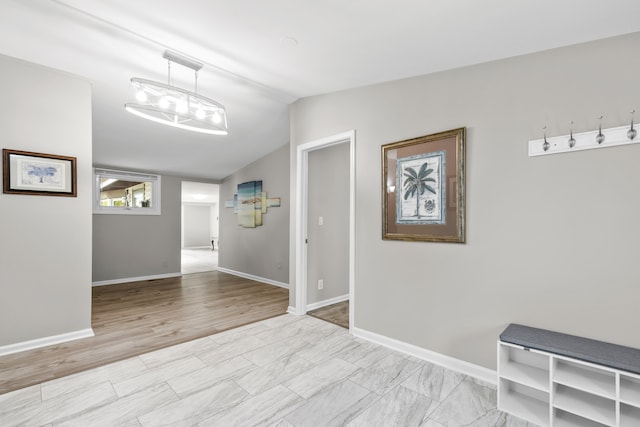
(173, 106)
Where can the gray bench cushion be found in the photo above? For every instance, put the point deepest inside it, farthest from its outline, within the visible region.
(599, 352)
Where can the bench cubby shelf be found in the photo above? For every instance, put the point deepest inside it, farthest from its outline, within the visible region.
(552, 389)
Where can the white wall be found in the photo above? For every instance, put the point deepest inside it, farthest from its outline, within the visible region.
(196, 220)
(552, 242)
(45, 266)
(214, 220)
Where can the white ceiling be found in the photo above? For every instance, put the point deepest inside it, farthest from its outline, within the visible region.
(255, 68)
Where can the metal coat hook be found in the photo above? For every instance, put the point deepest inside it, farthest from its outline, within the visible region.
(546, 145)
(600, 136)
(572, 141)
(631, 133)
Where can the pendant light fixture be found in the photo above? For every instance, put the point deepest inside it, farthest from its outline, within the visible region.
(177, 107)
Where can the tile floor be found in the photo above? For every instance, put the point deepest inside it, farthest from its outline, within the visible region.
(281, 372)
(198, 260)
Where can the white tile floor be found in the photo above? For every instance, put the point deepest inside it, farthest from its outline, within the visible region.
(281, 372)
(199, 260)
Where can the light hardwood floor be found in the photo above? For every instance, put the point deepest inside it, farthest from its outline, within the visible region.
(134, 318)
(335, 313)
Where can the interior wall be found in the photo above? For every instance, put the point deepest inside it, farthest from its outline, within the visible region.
(196, 230)
(215, 214)
(328, 247)
(45, 267)
(131, 246)
(552, 242)
(261, 251)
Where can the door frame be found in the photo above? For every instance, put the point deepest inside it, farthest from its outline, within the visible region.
(302, 207)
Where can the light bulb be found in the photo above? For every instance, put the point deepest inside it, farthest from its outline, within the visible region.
(181, 107)
(217, 118)
(164, 103)
(200, 113)
(141, 96)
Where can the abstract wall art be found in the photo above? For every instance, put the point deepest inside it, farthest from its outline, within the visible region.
(251, 203)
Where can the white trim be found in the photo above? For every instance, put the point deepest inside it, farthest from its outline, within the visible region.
(476, 371)
(291, 310)
(327, 302)
(302, 160)
(135, 279)
(352, 229)
(156, 181)
(46, 341)
(256, 278)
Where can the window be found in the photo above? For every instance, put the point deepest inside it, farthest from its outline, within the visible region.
(129, 193)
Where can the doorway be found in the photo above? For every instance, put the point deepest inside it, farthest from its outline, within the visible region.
(199, 231)
(316, 253)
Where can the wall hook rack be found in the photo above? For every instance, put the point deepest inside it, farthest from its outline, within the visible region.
(601, 138)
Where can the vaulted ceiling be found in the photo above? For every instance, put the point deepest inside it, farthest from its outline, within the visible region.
(260, 56)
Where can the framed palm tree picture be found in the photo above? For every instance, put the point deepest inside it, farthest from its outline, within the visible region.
(423, 188)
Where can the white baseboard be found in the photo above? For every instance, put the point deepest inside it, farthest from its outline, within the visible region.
(135, 279)
(480, 372)
(327, 302)
(256, 278)
(292, 310)
(46, 341)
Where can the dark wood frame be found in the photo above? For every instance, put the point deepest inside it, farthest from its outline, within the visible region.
(9, 188)
(452, 143)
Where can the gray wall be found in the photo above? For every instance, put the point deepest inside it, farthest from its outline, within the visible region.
(196, 225)
(261, 251)
(45, 266)
(130, 246)
(328, 248)
(552, 242)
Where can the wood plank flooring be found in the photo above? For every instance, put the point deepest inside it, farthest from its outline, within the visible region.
(130, 319)
(335, 313)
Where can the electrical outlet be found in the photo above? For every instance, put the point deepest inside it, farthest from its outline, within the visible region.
(320, 284)
(320, 220)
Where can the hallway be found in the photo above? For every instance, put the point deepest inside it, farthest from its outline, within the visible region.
(198, 260)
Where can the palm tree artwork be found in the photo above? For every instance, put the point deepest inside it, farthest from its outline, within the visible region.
(416, 183)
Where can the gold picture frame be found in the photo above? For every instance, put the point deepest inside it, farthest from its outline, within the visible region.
(423, 188)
